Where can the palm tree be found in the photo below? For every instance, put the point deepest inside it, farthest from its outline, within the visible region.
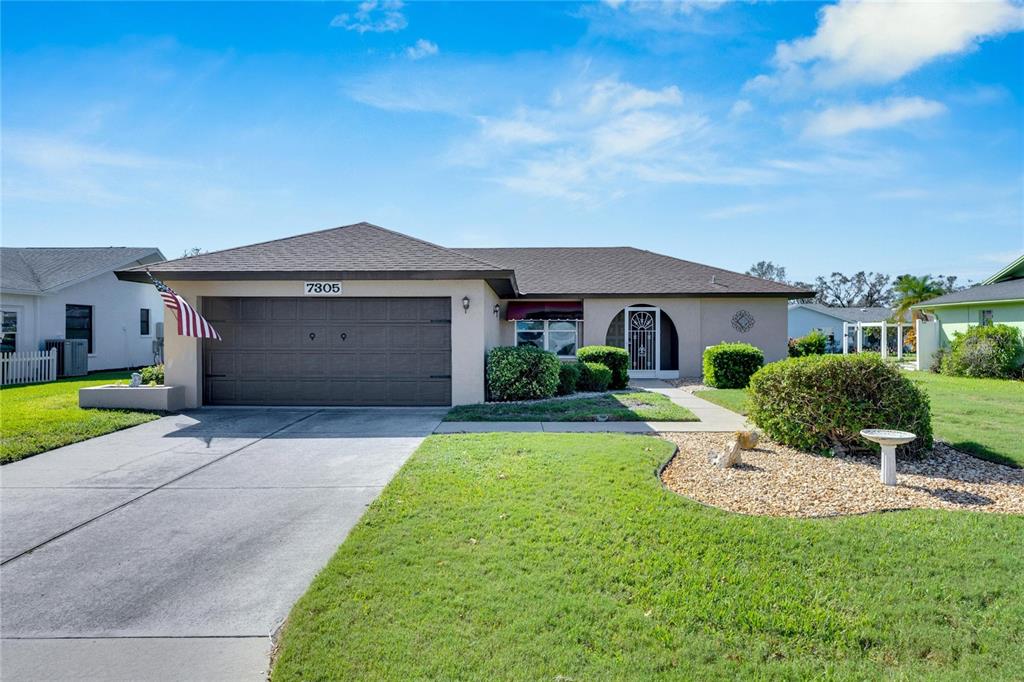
(911, 290)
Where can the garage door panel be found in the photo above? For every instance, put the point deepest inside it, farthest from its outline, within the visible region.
(435, 309)
(436, 337)
(252, 309)
(283, 309)
(343, 309)
(286, 351)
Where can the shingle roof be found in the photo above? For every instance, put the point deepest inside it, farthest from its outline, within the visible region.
(40, 270)
(542, 271)
(853, 314)
(1010, 290)
(368, 251)
(353, 248)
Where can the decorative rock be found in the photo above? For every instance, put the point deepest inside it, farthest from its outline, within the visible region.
(748, 439)
(729, 457)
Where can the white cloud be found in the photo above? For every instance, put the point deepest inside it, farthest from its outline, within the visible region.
(739, 210)
(836, 121)
(420, 49)
(373, 16)
(880, 42)
(740, 108)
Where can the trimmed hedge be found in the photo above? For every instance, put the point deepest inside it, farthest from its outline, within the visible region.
(521, 373)
(814, 343)
(568, 378)
(817, 402)
(615, 359)
(594, 376)
(990, 351)
(730, 365)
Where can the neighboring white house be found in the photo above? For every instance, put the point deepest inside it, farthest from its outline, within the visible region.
(69, 293)
(806, 317)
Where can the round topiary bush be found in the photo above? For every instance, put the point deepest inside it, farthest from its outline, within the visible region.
(615, 359)
(991, 351)
(820, 401)
(521, 373)
(730, 365)
(594, 376)
(568, 378)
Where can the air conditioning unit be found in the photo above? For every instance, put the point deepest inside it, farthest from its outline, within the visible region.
(72, 356)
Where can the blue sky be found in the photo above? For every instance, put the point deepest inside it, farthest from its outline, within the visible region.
(822, 137)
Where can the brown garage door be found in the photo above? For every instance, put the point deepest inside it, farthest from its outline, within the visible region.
(328, 351)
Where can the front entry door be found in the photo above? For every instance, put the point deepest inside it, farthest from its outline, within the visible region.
(643, 340)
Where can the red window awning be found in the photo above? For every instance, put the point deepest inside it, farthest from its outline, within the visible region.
(544, 310)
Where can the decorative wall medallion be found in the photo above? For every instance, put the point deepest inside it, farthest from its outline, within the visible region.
(743, 321)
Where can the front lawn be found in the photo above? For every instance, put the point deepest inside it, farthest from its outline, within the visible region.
(40, 417)
(638, 406)
(982, 416)
(557, 556)
(734, 399)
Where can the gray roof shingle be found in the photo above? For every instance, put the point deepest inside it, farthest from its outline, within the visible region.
(624, 270)
(1009, 290)
(352, 248)
(37, 270)
(854, 314)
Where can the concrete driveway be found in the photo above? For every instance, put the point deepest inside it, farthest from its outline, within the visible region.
(174, 549)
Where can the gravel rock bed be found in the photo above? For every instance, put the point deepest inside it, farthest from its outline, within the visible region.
(775, 480)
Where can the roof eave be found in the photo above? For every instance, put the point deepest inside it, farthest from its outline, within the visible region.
(140, 275)
(1005, 271)
(928, 305)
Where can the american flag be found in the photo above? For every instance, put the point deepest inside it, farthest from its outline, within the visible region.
(190, 322)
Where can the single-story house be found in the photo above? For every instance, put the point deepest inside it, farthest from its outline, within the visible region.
(998, 300)
(72, 293)
(361, 315)
(807, 317)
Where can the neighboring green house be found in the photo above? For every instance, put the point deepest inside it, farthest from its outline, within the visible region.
(998, 300)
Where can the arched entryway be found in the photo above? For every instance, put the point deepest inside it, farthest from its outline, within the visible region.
(649, 335)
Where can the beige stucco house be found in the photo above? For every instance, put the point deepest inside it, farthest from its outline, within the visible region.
(360, 315)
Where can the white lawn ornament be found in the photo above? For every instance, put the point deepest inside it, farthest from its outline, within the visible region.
(136, 380)
(888, 439)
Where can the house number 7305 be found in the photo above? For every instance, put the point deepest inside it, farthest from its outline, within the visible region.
(322, 288)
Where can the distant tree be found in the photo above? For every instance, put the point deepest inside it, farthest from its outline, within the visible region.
(910, 290)
(194, 251)
(860, 290)
(766, 269)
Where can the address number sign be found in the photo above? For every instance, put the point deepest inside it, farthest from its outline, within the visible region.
(322, 288)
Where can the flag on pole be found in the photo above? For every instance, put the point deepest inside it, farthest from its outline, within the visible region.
(190, 322)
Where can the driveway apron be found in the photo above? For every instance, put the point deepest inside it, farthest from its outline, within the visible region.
(174, 550)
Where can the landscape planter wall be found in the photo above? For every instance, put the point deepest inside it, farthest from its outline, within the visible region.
(122, 397)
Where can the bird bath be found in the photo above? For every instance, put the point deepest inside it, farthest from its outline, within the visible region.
(888, 439)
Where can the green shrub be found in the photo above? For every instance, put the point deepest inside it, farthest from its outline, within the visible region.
(521, 373)
(615, 359)
(153, 374)
(568, 378)
(814, 343)
(730, 365)
(594, 376)
(990, 351)
(817, 402)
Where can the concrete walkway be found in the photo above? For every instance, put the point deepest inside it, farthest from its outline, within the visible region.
(712, 418)
(173, 550)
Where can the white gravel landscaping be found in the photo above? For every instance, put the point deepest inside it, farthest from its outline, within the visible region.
(775, 480)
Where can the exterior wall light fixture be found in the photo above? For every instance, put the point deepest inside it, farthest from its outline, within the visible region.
(465, 303)
(497, 310)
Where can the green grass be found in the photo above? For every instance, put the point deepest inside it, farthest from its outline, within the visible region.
(557, 556)
(982, 416)
(734, 399)
(619, 407)
(41, 417)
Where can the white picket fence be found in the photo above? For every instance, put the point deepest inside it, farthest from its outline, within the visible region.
(28, 368)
